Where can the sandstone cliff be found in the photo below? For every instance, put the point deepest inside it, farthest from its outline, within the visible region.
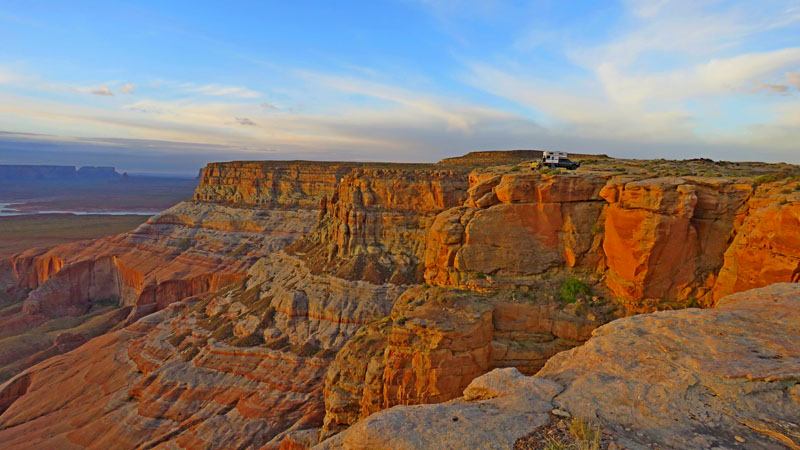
(646, 380)
(283, 303)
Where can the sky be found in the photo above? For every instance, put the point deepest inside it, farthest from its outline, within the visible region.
(165, 87)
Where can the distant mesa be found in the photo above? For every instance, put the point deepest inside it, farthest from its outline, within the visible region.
(57, 173)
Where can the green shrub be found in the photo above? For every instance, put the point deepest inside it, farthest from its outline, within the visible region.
(571, 287)
(761, 179)
(480, 276)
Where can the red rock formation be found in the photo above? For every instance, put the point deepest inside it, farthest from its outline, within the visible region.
(766, 246)
(436, 341)
(375, 224)
(246, 364)
(519, 225)
(664, 238)
(714, 378)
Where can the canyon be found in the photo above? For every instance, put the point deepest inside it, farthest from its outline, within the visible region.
(294, 303)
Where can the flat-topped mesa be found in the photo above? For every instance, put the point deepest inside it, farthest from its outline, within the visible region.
(270, 183)
(278, 184)
(374, 226)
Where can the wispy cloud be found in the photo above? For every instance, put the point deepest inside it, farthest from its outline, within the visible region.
(218, 90)
(127, 89)
(772, 87)
(104, 91)
(245, 121)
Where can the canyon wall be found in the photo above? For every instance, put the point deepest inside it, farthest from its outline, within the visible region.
(291, 300)
(716, 378)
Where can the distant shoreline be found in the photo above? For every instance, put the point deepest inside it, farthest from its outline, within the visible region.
(11, 210)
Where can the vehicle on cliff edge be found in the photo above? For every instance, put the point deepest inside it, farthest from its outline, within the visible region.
(555, 160)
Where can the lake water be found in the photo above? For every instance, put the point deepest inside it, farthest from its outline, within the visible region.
(7, 209)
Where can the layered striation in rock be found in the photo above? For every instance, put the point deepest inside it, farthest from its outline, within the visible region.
(243, 366)
(374, 226)
(436, 341)
(187, 250)
(716, 378)
(280, 307)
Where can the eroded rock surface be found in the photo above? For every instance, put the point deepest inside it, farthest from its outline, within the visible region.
(727, 377)
(436, 341)
(496, 409)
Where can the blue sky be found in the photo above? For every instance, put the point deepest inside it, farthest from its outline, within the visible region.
(168, 86)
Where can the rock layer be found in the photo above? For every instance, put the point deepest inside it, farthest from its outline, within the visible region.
(716, 378)
(436, 341)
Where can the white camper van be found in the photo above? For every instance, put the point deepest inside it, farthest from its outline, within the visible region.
(558, 159)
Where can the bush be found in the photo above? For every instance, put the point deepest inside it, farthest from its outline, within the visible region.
(480, 276)
(571, 287)
(761, 179)
(587, 435)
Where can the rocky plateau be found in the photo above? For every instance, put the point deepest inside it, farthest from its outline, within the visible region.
(452, 305)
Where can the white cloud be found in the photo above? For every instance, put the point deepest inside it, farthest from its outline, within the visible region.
(127, 89)
(218, 90)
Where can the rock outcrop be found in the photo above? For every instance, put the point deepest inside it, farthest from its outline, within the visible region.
(284, 304)
(665, 237)
(436, 341)
(515, 226)
(189, 249)
(766, 246)
(718, 378)
(375, 225)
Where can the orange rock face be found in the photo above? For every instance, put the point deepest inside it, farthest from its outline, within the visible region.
(374, 225)
(436, 341)
(664, 238)
(520, 225)
(287, 292)
(766, 246)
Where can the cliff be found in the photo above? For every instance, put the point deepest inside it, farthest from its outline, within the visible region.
(645, 381)
(291, 300)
